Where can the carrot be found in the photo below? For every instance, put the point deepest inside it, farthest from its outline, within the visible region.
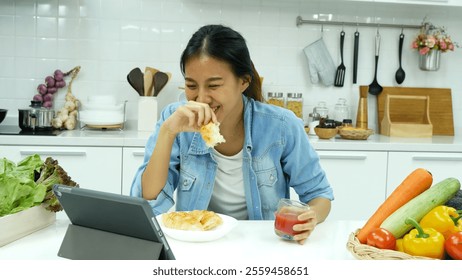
(415, 183)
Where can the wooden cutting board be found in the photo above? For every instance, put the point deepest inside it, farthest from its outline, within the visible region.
(441, 114)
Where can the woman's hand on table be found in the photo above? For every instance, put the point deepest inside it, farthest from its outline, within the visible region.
(306, 228)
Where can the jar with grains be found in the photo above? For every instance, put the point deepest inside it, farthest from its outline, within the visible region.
(276, 98)
(295, 103)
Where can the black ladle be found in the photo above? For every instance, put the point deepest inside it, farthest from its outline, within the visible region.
(374, 87)
(400, 74)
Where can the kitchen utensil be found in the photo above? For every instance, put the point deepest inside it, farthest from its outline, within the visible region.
(355, 57)
(340, 74)
(148, 83)
(160, 80)
(400, 74)
(36, 117)
(441, 109)
(136, 79)
(375, 88)
(150, 71)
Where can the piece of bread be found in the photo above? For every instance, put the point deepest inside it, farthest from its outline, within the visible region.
(197, 220)
(211, 134)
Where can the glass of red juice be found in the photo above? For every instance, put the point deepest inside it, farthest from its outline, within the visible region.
(287, 216)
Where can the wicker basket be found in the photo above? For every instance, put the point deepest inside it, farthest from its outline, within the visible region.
(355, 133)
(366, 252)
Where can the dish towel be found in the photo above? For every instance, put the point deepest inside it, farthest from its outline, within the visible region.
(320, 64)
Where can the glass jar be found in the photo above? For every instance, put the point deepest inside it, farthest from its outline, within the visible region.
(322, 110)
(347, 123)
(295, 104)
(341, 110)
(276, 98)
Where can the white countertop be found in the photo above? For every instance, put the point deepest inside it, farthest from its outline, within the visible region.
(130, 137)
(249, 240)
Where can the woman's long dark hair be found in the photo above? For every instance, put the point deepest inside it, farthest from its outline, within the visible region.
(225, 44)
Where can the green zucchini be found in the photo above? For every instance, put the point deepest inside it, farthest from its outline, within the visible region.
(420, 205)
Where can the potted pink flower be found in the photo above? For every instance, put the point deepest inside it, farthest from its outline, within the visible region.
(430, 43)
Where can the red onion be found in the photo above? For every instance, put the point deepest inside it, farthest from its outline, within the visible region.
(50, 81)
(42, 89)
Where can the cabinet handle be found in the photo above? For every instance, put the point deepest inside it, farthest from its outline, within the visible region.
(138, 154)
(53, 153)
(347, 156)
(437, 158)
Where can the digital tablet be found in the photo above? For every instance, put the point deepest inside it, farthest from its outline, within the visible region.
(113, 221)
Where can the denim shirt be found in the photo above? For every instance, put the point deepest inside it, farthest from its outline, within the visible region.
(277, 155)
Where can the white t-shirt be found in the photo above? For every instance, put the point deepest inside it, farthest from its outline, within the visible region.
(228, 192)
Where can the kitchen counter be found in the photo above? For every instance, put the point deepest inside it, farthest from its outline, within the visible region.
(249, 240)
(130, 137)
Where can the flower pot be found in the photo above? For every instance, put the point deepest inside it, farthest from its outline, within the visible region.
(430, 61)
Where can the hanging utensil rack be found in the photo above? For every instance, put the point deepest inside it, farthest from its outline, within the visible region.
(301, 21)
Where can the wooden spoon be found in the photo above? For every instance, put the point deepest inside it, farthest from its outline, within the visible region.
(160, 80)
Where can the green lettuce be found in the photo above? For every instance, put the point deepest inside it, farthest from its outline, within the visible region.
(18, 190)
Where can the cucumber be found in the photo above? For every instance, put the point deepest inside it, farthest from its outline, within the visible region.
(420, 205)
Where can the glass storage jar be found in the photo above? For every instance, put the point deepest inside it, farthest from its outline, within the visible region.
(276, 98)
(295, 103)
(341, 110)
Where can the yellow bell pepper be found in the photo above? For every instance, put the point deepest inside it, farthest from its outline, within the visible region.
(425, 242)
(443, 219)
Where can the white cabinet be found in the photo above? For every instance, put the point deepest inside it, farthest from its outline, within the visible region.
(132, 159)
(441, 165)
(97, 168)
(358, 180)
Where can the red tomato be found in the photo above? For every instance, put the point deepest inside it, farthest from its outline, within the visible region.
(453, 245)
(382, 239)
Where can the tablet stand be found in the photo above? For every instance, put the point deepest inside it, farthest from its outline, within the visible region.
(82, 243)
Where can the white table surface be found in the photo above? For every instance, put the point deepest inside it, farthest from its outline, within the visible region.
(249, 240)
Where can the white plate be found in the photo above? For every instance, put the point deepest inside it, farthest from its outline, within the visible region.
(200, 236)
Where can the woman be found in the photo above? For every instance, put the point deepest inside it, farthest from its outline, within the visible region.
(266, 149)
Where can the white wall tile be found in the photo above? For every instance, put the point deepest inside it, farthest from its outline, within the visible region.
(7, 7)
(112, 9)
(6, 25)
(47, 27)
(68, 28)
(110, 29)
(47, 48)
(68, 49)
(90, 8)
(47, 8)
(25, 25)
(25, 47)
(25, 7)
(69, 8)
(7, 64)
(7, 44)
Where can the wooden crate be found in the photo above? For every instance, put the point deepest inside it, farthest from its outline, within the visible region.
(400, 125)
